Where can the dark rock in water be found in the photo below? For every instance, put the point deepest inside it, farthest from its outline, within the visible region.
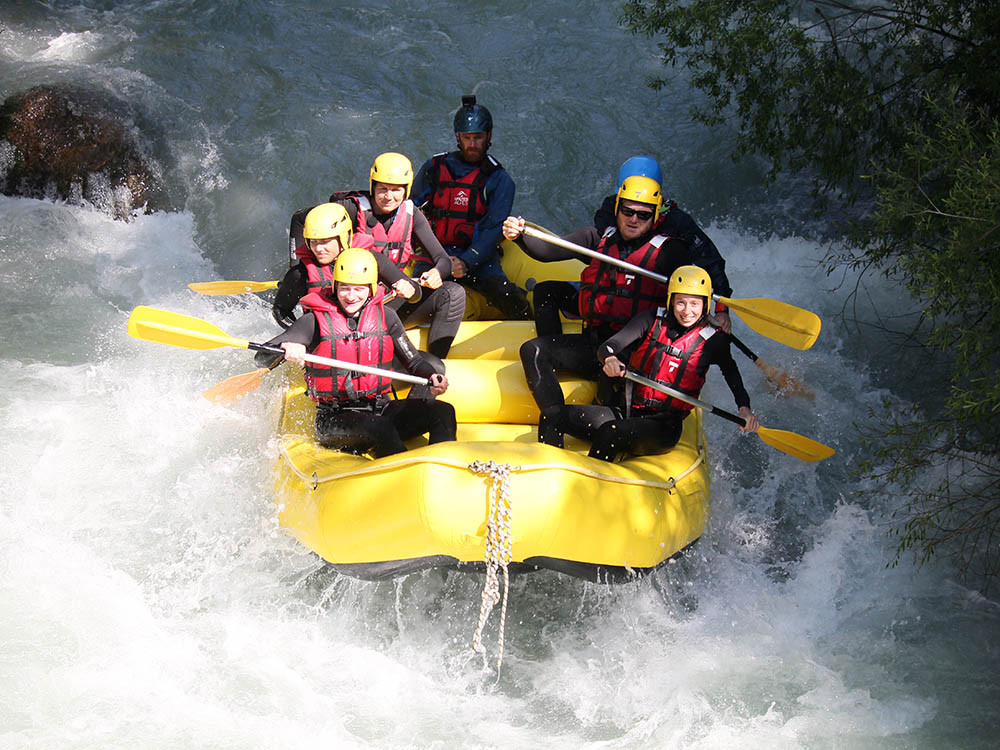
(77, 145)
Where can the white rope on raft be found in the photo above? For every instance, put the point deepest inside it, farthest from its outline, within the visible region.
(384, 465)
(498, 551)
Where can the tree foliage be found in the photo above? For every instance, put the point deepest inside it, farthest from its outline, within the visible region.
(897, 102)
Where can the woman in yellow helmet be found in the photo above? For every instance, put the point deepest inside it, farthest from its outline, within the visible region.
(347, 321)
(401, 233)
(325, 230)
(677, 346)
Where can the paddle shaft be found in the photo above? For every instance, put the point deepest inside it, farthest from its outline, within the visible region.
(553, 239)
(780, 321)
(635, 377)
(791, 443)
(610, 260)
(391, 374)
(174, 329)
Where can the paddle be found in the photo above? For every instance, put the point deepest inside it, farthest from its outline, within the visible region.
(220, 288)
(174, 329)
(231, 390)
(781, 380)
(788, 442)
(777, 320)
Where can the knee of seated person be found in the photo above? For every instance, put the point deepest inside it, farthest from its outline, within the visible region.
(530, 349)
(550, 412)
(445, 410)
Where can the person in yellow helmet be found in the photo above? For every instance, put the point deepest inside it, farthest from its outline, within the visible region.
(401, 233)
(318, 235)
(676, 346)
(347, 321)
(607, 297)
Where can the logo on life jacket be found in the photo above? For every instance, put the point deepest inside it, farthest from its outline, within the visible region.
(461, 198)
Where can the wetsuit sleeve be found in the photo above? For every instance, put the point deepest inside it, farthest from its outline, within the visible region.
(673, 254)
(717, 353)
(486, 235)
(388, 272)
(703, 251)
(304, 331)
(291, 289)
(421, 189)
(546, 252)
(404, 349)
(424, 236)
(604, 217)
(635, 330)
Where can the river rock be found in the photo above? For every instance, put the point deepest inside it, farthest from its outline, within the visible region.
(79, 146)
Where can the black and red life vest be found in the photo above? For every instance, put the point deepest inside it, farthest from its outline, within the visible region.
(455, 205)
(612, 296)
(672, 362)
(368, 344)
(320, 277)
(397, 241)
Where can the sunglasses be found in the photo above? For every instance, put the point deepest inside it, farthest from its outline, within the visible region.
(630, 212)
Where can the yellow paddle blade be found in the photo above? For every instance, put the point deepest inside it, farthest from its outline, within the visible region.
(174, 329)
(219, 288)
(795, 445)
(777, 320)
(231, 390)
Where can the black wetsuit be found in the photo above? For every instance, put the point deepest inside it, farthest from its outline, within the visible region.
(575, 353)
(614, 431)
(379, 425)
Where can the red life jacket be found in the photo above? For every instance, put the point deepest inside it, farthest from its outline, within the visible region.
(397, 242)
(320, 277)
(455, 205)
(369, 345)
(613, 296)
(673, 363)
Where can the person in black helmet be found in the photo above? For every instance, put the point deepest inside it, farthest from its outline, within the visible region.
(466, 195)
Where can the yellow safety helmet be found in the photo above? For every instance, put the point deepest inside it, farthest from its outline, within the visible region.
(392, 169)
(643, 190)
(329, 220)
(690, 280)
(356, 266)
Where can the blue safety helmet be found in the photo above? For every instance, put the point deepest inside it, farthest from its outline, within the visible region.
(641, 166)
(472, 117)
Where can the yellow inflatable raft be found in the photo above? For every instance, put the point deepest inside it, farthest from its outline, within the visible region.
(495, 494)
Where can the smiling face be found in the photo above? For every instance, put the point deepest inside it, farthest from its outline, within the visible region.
(352, 297)
(630, 221)
(687, 308)
(387, 197)
(325, 250)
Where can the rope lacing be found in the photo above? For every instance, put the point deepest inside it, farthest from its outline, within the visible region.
(498, 554)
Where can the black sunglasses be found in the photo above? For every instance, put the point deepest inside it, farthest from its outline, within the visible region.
(629, 212)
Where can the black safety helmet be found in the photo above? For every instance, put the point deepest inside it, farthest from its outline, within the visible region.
(472, 117)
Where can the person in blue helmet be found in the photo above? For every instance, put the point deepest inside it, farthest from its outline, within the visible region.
(466, 195)
(675, 223)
